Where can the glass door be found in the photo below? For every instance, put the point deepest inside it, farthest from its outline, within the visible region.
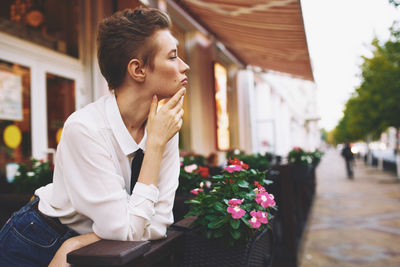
(60, 104)
(15, 119)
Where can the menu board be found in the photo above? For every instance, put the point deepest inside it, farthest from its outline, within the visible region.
(10, 96)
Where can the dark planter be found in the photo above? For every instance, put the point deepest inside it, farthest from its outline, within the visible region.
(180, 207)
(9, 203)
(200, 251)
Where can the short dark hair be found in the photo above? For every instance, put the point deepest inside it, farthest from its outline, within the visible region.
(124, 36)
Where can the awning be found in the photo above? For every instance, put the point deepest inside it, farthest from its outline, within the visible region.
(265, 33)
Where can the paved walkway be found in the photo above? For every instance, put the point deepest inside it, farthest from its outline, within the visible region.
(353, 222)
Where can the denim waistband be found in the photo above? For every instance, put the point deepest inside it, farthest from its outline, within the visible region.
(53, 222)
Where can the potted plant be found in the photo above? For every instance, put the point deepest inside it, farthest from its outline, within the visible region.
(28, 178)
(233, 219)
(191, 176)
(256, 161)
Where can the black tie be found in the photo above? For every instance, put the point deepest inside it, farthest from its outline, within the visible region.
(136, 165)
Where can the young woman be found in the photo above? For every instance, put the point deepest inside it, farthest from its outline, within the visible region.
(91, 196)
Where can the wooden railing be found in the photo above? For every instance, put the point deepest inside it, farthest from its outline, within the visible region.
(166, 252)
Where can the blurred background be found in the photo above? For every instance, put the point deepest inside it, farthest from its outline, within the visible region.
(268, 78)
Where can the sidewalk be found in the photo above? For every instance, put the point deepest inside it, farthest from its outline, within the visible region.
(353, 222)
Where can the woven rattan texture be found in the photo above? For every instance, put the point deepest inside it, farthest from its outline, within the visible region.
(200, 251)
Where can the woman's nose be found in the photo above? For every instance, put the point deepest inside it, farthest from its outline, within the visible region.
(185, 67)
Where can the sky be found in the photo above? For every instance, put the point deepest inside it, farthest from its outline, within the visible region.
(338, 33)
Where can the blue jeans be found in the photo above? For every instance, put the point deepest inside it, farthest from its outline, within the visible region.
(27, 240)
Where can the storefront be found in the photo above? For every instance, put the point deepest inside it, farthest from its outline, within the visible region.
(48, 69)
(41, 74)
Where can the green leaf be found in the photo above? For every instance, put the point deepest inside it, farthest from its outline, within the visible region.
(220, 207)
(219, 233)
(193, 201)
(243, 184)
(217, 224)
(211, 217)
(235, 234)
(235, 223)
(209, 234)
(250, 195)
(246, 222)
(267, 182)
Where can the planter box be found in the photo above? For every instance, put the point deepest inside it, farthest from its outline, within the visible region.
(200, 251)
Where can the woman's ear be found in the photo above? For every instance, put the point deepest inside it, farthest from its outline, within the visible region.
(136, 70)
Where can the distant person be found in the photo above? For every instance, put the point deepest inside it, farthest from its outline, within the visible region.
(349, 157)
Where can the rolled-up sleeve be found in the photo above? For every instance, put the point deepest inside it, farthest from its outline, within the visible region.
(168, 183)
(98, 192)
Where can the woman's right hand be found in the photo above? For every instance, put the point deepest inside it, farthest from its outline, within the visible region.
(69, 245)
(163, 124)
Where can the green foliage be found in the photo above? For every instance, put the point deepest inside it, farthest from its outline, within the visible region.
(189, 159)
(396, 3)
(30, 178)
(298, 156)
(257, 161)
(191, 180)
(375, 105)
(193, 172)
(213, 219)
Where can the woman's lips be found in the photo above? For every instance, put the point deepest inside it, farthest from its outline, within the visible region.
(184, 81)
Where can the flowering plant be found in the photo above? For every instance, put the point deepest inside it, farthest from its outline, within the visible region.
(236, 206)
(257, 161)
(316, 156)
(193, 176)
(299, 156)
(30, 177)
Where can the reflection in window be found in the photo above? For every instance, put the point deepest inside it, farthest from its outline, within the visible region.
(220, 78)
(50, 23)
(15, 121)
(60, 104)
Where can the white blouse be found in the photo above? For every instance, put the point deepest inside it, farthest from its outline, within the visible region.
(91, 182)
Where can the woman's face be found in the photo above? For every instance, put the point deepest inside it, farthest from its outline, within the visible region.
(168, 74)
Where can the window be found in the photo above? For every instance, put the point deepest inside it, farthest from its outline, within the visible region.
(60, 104)
(15, 117)
(50, 23)
(220, 85)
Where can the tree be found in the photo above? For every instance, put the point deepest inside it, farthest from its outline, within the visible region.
(375, 105)
(396, 3)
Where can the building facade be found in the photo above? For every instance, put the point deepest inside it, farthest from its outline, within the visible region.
(48, 69)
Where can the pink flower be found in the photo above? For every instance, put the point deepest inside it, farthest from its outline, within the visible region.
(236, 212)
(181, 164)
(260, 215)
(265, 199)
(233, 168)
(234, 202)
(255, 222)
(259, 189)
(190, 168)
(196, 191)
(235, 161)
